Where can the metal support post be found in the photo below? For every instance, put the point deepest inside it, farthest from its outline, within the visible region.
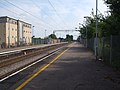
(45, 33)
(111, 49)
(86, 36)
(33, 40)
(96, 39)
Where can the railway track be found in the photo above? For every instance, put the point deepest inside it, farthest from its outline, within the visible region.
(45, 52)
(18, 52)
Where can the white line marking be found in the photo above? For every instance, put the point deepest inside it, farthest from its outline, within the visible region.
(34, 47)
(27, 66)
(23, 49)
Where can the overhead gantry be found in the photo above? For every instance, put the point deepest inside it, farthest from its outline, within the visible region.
(64, 31)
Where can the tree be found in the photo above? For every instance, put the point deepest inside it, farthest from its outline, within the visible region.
(114, 6)
(107, 26)
(69, 38)
(113, 21)
(90, 26)
(53, 36)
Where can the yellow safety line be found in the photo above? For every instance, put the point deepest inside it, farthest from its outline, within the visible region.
(36, 74)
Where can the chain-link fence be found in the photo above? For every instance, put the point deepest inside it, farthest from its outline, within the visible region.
(37, 41)
(111, 50)
(115, 50)
(108, 49)
(90, 44)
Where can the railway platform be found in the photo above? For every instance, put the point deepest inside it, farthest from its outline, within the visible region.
(23, 47)
(73, 69)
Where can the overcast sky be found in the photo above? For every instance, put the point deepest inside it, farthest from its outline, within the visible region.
(50, 15)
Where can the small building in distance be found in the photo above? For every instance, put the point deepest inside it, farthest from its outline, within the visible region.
(14, 32)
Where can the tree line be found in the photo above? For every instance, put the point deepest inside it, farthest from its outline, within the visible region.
(107, 25)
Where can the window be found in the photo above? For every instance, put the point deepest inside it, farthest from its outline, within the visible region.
(12, 29)
(12, 36)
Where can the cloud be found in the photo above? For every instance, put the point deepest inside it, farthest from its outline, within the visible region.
(70, 12)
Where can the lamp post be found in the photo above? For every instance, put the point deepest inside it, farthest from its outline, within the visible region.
(45, 39)
(96, 39)
(33, 30)
(33, 40)
(45, 32)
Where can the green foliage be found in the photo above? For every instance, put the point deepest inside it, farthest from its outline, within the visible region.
(113, 21)
(69, 38)
(53, 36)
(114, 6)
(91, 27)
(111, 26)
(107, 26)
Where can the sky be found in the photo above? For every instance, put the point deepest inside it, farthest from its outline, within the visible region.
(49, 15)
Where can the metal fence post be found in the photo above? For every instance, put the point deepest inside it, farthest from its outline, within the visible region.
(111, 49)
(103, 50)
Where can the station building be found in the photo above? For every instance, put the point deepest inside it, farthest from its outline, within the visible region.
(14, 32)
